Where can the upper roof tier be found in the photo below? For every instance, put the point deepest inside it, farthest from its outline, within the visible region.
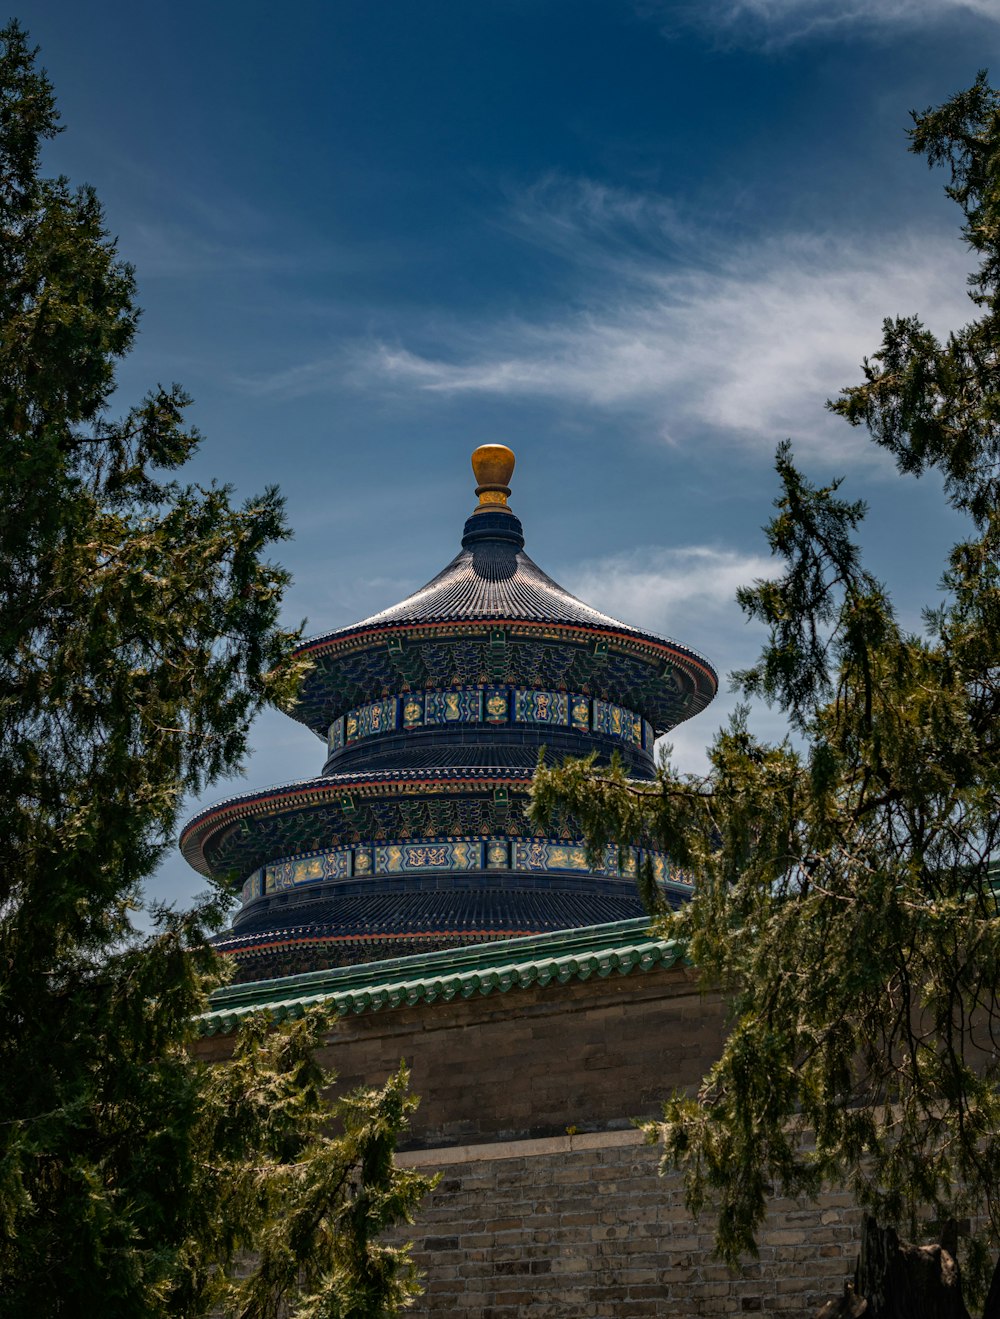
(492, 615)
(490, 578)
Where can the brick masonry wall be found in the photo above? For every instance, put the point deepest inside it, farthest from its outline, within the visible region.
(530, 1220)
(533, 1062)
(578, 1226)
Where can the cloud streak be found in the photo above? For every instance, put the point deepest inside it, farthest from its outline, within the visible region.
(668, 590)
(782, 22)
(695, 336)
(666, 323)
(687, 593)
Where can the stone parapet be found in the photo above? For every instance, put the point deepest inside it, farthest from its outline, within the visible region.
(574, 1031)
(583, 1225)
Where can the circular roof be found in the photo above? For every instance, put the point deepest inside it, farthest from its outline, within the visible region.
(490, 578)
(492, 582)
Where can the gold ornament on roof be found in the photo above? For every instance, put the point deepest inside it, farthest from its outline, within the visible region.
(493, 465)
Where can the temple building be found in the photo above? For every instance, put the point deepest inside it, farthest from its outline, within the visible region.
(406, 893)
(416, 835)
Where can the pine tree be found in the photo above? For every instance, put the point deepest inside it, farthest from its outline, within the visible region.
(139, 635)
(846, 880)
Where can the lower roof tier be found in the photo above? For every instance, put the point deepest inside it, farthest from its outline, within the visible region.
(364, 866)
(243, 833)
(368, 929)
(473, 911)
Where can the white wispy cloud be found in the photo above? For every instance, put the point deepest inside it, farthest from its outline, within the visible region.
(165, 250)
(687, 593)
(666, 322)
(693, 333)
(781, 22)
(668, 590)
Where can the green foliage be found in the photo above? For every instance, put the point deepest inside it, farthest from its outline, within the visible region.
(139, 635)
(316, 1205)
(845, 895)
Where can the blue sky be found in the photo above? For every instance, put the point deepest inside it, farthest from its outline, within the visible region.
(640, 242)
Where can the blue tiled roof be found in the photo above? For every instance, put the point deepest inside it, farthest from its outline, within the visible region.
(491, 579)
(447, 910)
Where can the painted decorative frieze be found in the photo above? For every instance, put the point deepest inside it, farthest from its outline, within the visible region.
(532, 706)
(462, 706)
(253, 887)
(490, 705)
(497, 854)
(412, 710)
(363, 861)
(371, 720)
(617, 722)
(452, 856)
(440, 855)
(535, 854)
(497, 705)
(308, 869)
(579, 713)
(620, 862)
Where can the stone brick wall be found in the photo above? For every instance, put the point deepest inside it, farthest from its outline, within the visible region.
(573, 1226)
(530, 1220)
(533, 1062)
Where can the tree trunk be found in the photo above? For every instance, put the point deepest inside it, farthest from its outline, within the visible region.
(848, 1306)
(992, 1308)
(896, 1281)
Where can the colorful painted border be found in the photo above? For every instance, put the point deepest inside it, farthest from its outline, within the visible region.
(490, 705)
(452, 856)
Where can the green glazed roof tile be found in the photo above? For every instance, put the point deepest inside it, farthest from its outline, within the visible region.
(622, 947)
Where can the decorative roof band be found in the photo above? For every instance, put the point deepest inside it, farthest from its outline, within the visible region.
(362, 637)
(494, 706)
(333, 789)
(451, 855)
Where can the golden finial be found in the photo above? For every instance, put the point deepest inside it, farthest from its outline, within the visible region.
(493, 465)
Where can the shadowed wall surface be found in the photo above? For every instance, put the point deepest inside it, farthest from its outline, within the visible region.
(509, 1062)
(531, 1057)
(583, 1225)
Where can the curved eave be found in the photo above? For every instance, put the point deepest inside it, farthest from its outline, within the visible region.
(349, 641)
(354, 637)
(534, 962)
(300, 938)
(198, 832)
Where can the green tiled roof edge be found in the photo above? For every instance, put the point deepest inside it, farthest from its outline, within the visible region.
(557, 958)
